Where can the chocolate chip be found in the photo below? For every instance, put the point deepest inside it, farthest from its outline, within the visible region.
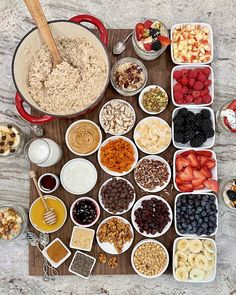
(2, 143)
(10, 142)
(1, 151)
(12, 150)
(9, 126)
(4, 137)
(12, 134)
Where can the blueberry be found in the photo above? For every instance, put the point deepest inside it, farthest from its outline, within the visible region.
(206, 219)
(184, 225)
(184, 208)
(204, 225)
(191, 217)
(189, 211)
(213, 207)
(203, 214)
(182, 231)
(200, 221)
(203, 203)
(178, 204)
(178, 210)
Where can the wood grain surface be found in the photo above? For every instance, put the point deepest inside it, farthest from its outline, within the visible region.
(159, 72)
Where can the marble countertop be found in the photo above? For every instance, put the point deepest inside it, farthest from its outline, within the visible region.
(14, 182)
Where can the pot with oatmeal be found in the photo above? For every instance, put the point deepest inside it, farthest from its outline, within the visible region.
(73, 87)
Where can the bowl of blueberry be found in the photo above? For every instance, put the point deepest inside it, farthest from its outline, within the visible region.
(196, 214)
(84, 212)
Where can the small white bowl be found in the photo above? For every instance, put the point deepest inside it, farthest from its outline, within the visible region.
(54, 264)
(96, 205)
(146, 89)
(109, 247)
(144, 242)
(159, 188)
(79, 275)
(56, 186)
(80, 248)
(213, 171)
(210, 41)
(136, 134)
(138, 204)
(77, 174)
(113, 173)
(101, 118)
(208, 143)
(194, 235)
(67, 134)
(101, 202)
(173, 263)
(188, 67)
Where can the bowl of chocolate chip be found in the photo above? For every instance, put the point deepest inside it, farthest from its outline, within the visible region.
(151, 216)
(11, 139)
(152, 173)
(116, 195)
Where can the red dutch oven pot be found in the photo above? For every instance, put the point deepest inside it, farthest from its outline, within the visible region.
(32, 42)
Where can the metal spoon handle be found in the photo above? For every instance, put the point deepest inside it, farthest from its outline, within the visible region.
(128, 37)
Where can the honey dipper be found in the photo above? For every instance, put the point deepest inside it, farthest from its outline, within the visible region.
(49, 216)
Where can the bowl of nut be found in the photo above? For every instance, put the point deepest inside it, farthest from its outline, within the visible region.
(117, 117)
(149, 258)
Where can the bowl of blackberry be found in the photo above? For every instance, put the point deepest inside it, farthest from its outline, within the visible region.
(196, 214)
(193, 127)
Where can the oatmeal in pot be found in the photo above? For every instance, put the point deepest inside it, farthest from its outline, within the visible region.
(74, 84)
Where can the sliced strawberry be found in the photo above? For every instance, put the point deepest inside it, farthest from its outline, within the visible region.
(212, 185)
(206, 172)
(199, 175)
(185, 187)
(197, 182)
(210, 163)
(179, 181)
(164, 40)
(204, 153)
(199, 187)
(232, 105)
(186, 174)
(147, 46)
(185, 154)
(147, 24)
(181, 163)
(202, 160)
(139, 28)
(193, 160)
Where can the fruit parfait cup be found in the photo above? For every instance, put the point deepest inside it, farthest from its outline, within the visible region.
(226, 117)
(150, 39)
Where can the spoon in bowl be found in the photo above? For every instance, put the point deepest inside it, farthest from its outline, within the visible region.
(120, 47)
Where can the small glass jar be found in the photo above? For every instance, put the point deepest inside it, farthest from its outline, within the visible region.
(226, 117)
(226, 184)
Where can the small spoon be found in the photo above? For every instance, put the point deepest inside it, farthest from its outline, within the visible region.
(33, 240)
(120, 47)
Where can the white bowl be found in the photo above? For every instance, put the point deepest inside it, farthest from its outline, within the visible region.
(96, 205)
(188, 67)
(54, 264)
(210, 41)
(189, 280)
(101, 118)
(77, 174)
(67, 134)
(194, 235)
(109, 247)
(101, 202)
(213, 171)
(113, 173)
(208, 143)
(56, 186)
(138, 205)
(80, 248)
(159, 188)
(136, 134)
(141, 243)
(147, 88)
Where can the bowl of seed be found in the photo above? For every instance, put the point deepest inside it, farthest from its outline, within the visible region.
(149, 258)
(153, 99)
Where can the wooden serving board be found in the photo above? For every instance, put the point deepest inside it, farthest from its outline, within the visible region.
(159, 72)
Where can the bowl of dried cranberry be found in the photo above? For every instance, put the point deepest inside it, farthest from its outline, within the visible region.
(151, 216)
(192, 85)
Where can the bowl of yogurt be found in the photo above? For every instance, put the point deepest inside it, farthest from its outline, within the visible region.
(78, 176)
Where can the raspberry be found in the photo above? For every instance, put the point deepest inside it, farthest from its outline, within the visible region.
(198, 101)
(179, 97)
(184, 81)
(190, 91)
(207, 98)
(184, 90)
(198, 85)
(192, 74)
(196, 94)
(189, 98)
(201, 77)
(191, 82)
(177, 75)
(184, 72)
(203, 93)
(177, 87)
(206, 71)
(207, 83)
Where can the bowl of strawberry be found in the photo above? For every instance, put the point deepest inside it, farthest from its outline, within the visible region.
(195, 170)
(192, 85)
(150, 39)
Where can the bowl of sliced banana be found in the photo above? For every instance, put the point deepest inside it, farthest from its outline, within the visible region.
(194, 260)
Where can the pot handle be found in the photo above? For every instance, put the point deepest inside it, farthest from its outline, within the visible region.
(32, 119)
(95, 21)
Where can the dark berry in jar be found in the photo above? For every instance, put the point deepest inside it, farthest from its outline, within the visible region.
(84, 212)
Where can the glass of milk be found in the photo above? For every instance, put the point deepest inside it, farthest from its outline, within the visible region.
(44, 152)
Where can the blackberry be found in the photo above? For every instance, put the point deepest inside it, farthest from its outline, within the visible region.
(179, 128)
(185, 140)
(156, 45)
(209, 132)
(190, 117)
(198, 120)
(189, 134)
(231, 195)
(206, 124)
(183, 112)
(197, 141)
(206, 114)
(189, 127)
(179, 137)
(203, 135)
(178, 119)
(153, 32)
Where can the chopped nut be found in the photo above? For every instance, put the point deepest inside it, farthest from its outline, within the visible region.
(102, 258)
(112, 262)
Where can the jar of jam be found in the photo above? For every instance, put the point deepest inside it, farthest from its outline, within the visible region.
(226, 117)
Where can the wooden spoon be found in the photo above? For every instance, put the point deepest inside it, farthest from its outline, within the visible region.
(49, 216)
(39, 18)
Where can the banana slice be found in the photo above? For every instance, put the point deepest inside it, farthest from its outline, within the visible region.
(201, 262)
(176, 260)
(209, 256)
(195, 245)
(197, 274)
(191, 259)
(181, 256)
(209, 246)
(211, 265)
(183, 245)
(181, 273)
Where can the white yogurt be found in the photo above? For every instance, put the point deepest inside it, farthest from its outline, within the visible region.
(78, 176)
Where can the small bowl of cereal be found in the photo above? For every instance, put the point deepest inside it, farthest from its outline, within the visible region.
(153, 99)
(117, 117)
(152, 135)
(128, 76)
(149, 258)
